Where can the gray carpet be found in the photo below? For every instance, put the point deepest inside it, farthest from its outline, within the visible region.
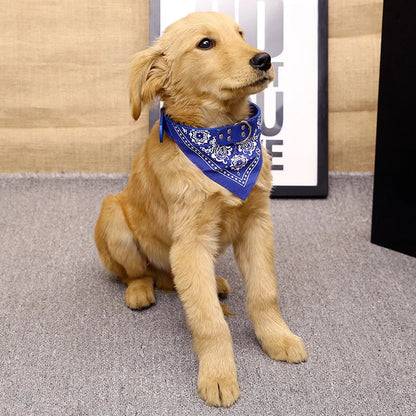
(69, 346)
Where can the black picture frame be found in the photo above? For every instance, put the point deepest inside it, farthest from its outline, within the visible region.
(320, 190)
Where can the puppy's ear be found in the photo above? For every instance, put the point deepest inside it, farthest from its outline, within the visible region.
(149, 73)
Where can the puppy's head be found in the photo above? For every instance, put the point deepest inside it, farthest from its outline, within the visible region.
(200, 61)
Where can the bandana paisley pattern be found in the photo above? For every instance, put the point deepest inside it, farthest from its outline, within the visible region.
(233, 161)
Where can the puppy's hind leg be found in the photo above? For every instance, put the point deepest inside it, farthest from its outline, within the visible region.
(163, 280)
(119, 254)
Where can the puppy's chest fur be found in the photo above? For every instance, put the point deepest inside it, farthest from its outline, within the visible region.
(167, 195)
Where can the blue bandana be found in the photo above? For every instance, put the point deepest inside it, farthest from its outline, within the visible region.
(230, 155)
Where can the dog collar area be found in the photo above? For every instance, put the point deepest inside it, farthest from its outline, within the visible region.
(229, 155)
(237, 133)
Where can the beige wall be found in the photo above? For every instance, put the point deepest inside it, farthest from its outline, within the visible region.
(63, 84)
(354, 59)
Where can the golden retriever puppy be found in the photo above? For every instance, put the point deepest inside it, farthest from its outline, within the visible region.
(175, 216)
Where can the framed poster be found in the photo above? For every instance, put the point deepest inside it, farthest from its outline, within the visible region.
(295, 104)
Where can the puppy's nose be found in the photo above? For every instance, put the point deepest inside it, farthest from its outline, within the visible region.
(261, 61)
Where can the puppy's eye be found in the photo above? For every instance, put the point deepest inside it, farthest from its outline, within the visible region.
(241, 33)
(206, 43)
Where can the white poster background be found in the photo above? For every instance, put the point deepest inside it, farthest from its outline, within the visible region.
(297, 78)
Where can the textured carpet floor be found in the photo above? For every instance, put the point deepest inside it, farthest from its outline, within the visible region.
(69, 346)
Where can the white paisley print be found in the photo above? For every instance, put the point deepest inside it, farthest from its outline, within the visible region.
(248, 147)
(199, 136)
(259, 122)
(218, 152)
(238, 162)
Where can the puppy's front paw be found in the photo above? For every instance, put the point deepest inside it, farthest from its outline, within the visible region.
(284, 347)
(218, 388)
(140, 293)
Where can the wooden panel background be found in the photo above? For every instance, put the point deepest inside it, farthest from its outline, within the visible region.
(63, 84)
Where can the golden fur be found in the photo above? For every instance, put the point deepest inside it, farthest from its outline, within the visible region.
(171, 222)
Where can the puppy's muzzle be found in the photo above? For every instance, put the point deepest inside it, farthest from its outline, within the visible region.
(261, 61)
